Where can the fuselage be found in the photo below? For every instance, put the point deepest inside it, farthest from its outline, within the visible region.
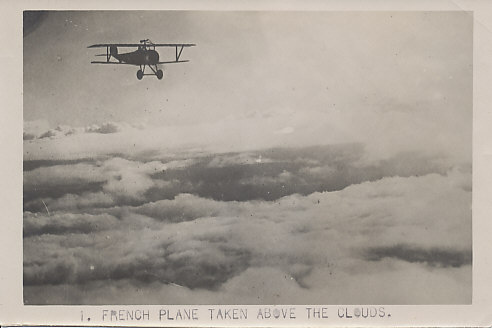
(138, 57)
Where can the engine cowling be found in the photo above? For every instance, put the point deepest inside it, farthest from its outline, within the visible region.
(151, 57)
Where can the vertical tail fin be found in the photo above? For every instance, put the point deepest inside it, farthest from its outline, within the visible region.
(113, 50)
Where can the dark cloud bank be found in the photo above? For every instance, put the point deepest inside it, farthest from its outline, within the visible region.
(413, 254)
(261, 175)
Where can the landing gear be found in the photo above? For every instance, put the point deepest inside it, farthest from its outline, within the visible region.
(155, 71)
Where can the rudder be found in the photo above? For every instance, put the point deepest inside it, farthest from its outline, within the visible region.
(113, 50)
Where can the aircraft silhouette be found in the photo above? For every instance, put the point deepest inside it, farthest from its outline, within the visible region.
(144, 56)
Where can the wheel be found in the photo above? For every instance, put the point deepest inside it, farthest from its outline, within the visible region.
(159, 74)
(139, 74)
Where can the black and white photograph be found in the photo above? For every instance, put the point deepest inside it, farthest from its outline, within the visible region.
(247, 157)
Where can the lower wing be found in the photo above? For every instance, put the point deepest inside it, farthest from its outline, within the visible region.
(174, 61)
(118, 63)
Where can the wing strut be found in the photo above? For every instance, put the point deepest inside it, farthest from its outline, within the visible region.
(178, 54)
(107, 55)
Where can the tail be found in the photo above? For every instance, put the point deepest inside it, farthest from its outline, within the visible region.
(113, 50)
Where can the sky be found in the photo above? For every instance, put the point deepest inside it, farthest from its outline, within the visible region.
(307, 157)
(322, 77)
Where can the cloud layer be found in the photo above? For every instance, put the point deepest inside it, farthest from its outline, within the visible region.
(276, 226)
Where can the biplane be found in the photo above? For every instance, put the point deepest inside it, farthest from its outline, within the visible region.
(144, 56)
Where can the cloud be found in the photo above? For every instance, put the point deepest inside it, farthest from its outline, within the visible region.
(390, 134)
(66, 223)
(59, 132)
(78, 184)
(407, 230)
(236, 159)
(104, 128)
(228, 177)
(319, 171)
(28, 136)
(282, 172)
(59, 180)
(178, 164)
(138, 253)
(129, 179)
(235, 136)
(273, 286)
(432, 256)
(183, 207)
(39, 130)
(29, 165)
(65, 174)
(283, 178)
(74, 202)
(49, 134)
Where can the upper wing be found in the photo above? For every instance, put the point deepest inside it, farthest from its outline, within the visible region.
(109, 62)
(103, 45)
(173, 44)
